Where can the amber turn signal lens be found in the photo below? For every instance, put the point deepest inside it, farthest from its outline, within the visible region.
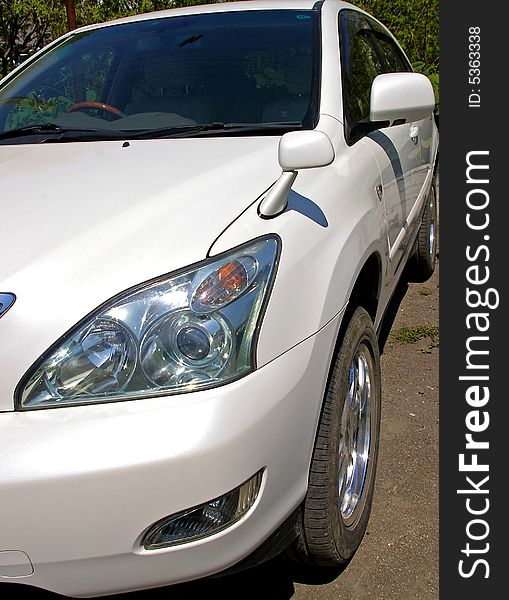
(222, 286)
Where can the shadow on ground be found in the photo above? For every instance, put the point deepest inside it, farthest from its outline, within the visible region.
(272, 580)
(392, 311)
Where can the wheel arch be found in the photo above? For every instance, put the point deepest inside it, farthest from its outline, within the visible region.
(366, 289)
(365, 293)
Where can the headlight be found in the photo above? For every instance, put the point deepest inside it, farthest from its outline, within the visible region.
(192, 330)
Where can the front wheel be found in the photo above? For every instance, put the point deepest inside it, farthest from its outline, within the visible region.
(336, 509)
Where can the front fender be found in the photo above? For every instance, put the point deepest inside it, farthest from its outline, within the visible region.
(333, 223)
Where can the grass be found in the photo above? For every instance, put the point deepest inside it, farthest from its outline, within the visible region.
(425, 291)
(410, 335)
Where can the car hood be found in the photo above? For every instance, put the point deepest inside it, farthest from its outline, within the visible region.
(81, 222)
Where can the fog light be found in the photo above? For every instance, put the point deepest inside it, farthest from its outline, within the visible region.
(204, 520)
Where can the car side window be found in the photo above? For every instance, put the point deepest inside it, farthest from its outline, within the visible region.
(360, 64)
(395, 61)
(392, 57)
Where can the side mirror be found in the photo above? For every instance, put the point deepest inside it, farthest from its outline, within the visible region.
(297, 150)
(305, 150)
(398, 96)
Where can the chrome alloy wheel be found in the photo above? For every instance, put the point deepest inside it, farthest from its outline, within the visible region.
(432, 213)
(355, 434)
(336, 509)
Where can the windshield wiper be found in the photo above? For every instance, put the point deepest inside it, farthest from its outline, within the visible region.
(58, 133)
(216, 129)
(31, 130)
(55, 133)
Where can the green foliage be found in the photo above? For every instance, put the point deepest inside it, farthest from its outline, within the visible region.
(433, 76)
(415, 24)
(25, 26)
(410, 335)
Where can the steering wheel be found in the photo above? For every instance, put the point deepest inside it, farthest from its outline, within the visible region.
(100, 105)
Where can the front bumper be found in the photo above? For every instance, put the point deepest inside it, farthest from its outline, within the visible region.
(79, 485)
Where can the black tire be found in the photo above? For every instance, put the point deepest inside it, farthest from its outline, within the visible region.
(423, 261)
(329, 536)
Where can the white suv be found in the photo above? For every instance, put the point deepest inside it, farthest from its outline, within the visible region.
(204, 215)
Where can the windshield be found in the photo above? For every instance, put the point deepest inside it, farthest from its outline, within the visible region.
(252, 68)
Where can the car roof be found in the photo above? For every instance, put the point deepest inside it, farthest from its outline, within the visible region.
(218, 7)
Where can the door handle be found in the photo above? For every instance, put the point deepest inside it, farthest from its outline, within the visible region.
(414, 132)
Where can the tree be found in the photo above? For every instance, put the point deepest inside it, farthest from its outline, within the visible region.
(415, 23)
(25, 26)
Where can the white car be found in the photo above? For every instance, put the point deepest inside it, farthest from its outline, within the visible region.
(204, 214)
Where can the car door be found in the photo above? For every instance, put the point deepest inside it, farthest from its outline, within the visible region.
(397, 154)
(416, 136)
